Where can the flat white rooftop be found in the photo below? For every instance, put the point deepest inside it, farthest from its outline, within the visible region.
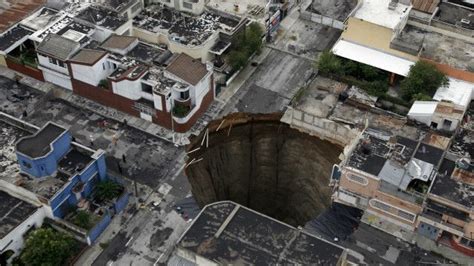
(423, 108)
(459, 92)
(372, 57)
(377, 12)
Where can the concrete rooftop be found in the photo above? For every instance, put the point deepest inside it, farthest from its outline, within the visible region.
(13, 212)
(228, 233)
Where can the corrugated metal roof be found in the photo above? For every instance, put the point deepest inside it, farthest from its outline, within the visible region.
(428, 6)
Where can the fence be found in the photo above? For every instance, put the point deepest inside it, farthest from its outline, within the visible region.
(121, 202)
(95, 232)
(322, 20)
(324, 128)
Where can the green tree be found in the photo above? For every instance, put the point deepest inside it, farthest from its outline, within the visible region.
(254, 38)
(244, 45)
(329, 63)
(45, 246)
(83, 219)
(375, 88)
(107, 190)
(237, 59)
(369, 73)
(423, 78)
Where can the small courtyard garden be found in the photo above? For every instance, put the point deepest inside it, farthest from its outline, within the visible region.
(46, 246)
(421, 83)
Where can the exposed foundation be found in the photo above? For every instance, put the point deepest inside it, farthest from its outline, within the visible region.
(264, 164)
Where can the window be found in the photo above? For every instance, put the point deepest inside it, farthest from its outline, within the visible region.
(53, 61)
(187, 5)
(392, 210)
(147, 88)
(136, 7)
(103, 66)
(26, 164)
(406, 215)
(380, 205)
(447, 124)
(358, 179)
(61, 64)
(184, 95)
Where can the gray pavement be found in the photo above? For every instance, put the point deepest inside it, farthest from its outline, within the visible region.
(144, 153)
(281, 72)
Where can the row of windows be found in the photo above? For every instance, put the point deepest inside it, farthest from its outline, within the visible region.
(54, 61)
(358, 179)
(392, 210)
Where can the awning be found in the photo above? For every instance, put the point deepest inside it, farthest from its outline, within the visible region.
(372, 57)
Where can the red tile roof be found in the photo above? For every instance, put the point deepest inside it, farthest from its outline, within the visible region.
(427, 6)
(17, 10)
(188, 69)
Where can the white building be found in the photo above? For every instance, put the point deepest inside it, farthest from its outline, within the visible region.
(145, 81)
(191, 6)
(438, 115)
(16, 218)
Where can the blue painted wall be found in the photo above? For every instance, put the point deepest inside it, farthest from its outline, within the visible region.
(428, 231)
(46, 166)
(121, 202)
(95, 232)
(67, 196)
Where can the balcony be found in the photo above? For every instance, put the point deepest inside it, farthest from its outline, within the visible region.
(181, 110)
(412, 196)
(436, 219)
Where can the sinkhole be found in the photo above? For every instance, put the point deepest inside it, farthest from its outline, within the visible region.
(259, 162)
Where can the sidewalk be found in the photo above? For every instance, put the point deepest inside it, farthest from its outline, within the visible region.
(180, 139)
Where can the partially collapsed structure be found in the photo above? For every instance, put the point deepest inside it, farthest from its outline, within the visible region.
(422, 186)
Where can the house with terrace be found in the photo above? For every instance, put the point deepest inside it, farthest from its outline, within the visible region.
(448, 214)
(171, 90)
(388, 176)
(17, 218)
(205, 36)
(61, 177)
(418, 189)
(75, 23)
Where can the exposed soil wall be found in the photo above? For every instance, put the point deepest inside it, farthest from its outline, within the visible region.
(264, 164)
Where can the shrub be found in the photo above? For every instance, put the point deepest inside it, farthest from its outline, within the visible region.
(104, 84)
(83, 219)
(375, 88)
(107, 190)
(45, 246)
(180, 110)
(423, 78)
(244, 45)
(329, 64)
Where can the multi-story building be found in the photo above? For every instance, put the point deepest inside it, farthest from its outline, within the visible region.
(145, 81)
(40, 44)
(58, 177)
(448, 214)
(202, 37)
(196, 7)
(418, 186)
(18, 217)
(388, 176)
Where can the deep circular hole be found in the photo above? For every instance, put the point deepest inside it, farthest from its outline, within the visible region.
(261, 163)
